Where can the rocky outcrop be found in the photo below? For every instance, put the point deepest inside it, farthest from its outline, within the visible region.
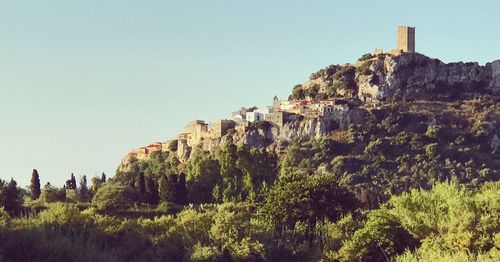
(303, 129)
(412, 76)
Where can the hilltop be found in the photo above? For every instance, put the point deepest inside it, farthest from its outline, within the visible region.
(407, 76)
(409, 90)
(395, 156)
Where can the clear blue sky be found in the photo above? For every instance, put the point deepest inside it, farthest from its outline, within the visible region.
(84, 82)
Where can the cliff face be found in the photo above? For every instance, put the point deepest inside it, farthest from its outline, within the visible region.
(409, 76)
(274, 136)
(415, 76)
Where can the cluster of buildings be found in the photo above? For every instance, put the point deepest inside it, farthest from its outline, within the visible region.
(281, 112)
(143, 153)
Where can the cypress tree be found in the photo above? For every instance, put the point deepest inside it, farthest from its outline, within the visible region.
(163, 188)
(172, 188)
(168, 187)
(73, 181)
(141, 186)
(152, 191)
(35, 189)
(10, 197)
(103, 177)
(180, 190)
(84, 190)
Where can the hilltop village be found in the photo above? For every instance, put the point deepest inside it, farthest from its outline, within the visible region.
(339, 95)
(280, 113)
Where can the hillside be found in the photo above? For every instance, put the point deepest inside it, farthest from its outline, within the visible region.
(391, 158)
(408, 115)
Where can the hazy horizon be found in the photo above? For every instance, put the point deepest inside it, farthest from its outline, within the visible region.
(83, 83)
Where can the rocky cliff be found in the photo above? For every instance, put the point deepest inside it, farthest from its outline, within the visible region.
(274, 137)
(415, 76)
(409, 76)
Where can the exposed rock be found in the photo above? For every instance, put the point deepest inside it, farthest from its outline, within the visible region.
(409, 76)
(413, 76)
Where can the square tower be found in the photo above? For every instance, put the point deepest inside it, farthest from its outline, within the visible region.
(406, 39)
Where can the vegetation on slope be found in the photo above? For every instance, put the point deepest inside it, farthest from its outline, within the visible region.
(417, 181)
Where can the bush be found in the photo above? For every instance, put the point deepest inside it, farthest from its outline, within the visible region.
(205, 253)
(114, 196)
(172, 146)
(62, 214)
(366, 57)
(51, 194)
(364, 68)
(4, 217)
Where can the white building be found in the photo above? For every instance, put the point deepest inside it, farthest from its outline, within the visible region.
(239, 116)
(258, 114)
(254, 116)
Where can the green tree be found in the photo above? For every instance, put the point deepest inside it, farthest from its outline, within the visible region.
(163, 188)
(96, 183)
(73, 182)
(152, 191)
(180, 190)
(35, 188)
(141, 186)
(231, 175)
(114, 196)
(305, 199)
(168, 187)
(380, 238)
(233, 232)
(84, 190)
(52, 194)
(203, 175)
(10, 196)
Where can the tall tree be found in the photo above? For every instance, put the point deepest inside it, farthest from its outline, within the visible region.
(73, 181)
(163, 188)
(35, 189)
(151, 191)
(231, 174)
(103, 177)
(141, 186)
(10, 196)
(96, 183)
(84, 190)
(180, 192)
(168, 186)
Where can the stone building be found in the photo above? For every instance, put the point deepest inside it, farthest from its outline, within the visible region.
(406, 39)
(279, 117)
(196, 130)
(221, 126)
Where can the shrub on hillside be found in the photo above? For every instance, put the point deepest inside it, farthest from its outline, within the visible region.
(366, 56)
(51, 194)
(115, 196)
(62, 214)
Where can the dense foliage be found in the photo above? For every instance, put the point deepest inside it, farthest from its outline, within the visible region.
(416, 181)
(446, 222)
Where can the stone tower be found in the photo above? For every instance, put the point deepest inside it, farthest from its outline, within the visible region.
(406, 39)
